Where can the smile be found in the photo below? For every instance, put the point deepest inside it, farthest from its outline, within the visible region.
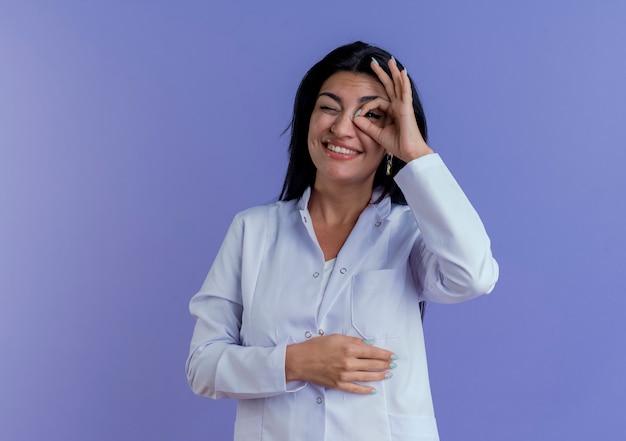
(340, 150)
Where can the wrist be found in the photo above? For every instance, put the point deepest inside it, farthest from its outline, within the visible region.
(290, 363)
(416, 153)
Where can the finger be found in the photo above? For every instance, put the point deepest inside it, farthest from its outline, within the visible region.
(365, 377)
(377, 103)
(373, 353)
(377, 359)
(407, 94)
(343, 338)
(358, 348)
(397, 78)
(365, 362)
(357, 388)
(376, 111)
(372, 117)
(369, 128)
(359, 366)
(384, 78)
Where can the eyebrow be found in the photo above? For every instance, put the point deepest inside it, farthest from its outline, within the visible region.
(362, 100)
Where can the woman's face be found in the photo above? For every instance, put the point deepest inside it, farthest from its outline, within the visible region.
(342, 154)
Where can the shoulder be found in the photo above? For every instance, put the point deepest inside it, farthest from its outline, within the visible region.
(401, 213)
(253, 226)
(262, 213)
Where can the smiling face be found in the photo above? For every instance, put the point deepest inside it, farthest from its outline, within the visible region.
(342, 154)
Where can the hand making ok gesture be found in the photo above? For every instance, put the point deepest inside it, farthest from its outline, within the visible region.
(400, 135)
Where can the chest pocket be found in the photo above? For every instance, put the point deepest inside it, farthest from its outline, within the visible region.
(381, 304)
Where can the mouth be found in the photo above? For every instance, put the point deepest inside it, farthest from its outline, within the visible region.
(340, 150)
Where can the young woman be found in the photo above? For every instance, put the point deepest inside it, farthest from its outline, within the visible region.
(311, 313)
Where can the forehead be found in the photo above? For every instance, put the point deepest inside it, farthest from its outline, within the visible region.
(350, 84)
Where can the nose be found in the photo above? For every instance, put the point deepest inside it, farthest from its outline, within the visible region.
(343, 125)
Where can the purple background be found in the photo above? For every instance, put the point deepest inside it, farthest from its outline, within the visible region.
(131, 132)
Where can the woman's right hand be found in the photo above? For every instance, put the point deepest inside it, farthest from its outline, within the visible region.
(338, 362)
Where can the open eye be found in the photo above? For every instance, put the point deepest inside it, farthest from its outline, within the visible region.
(373, 115)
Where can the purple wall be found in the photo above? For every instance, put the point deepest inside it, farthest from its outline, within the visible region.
(130, 135)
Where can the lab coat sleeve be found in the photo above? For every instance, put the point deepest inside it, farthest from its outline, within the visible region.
(451, 259)
(219, 366)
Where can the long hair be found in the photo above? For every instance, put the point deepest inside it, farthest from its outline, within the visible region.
(355, 57)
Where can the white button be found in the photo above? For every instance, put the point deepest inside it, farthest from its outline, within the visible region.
(320, 332)
(308, 334)
(318, 400)
(343, 270)
(316, 274)
(377, 224)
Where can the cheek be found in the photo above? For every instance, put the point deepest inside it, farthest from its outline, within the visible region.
(372, 146)
(318, 126)
(321, 121)
(313, 128)
(378, 153)
(381, 155)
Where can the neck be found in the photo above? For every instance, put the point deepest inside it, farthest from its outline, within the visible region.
(338, 206)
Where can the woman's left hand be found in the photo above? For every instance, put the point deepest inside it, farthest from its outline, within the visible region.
(400, 135)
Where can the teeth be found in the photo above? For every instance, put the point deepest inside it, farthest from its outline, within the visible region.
(342, 150)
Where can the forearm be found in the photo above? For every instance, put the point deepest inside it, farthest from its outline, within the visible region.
(221, 370)
(455, 251)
